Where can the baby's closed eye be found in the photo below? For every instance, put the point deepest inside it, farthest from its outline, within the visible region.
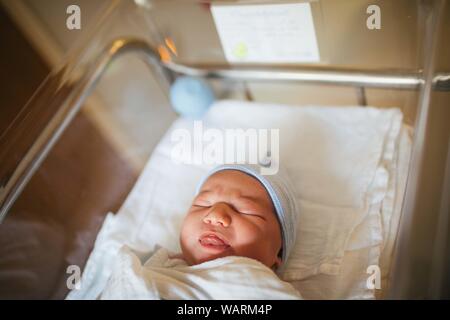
(203, 204)
(203, 199)
(249, 208)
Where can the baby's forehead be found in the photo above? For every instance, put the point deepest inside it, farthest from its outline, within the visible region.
(232, 178)
(237, 183)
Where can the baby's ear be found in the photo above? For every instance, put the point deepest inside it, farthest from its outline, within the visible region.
(277, 263)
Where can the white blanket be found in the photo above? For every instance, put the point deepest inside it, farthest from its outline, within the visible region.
(162, 277)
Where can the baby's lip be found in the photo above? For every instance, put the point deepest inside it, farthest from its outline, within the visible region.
(213, 240)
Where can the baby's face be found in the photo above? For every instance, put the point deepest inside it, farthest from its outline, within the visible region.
(231, 216)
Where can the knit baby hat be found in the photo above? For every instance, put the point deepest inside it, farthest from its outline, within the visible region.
(280, 191)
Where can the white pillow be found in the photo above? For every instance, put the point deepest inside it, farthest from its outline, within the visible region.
(351, 282)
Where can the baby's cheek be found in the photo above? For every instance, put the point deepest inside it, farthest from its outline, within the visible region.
(188, 243)
(262, 237)
(191, 219)
(188, 229)
(248, 232)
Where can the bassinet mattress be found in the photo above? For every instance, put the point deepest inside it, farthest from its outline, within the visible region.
(361, 180)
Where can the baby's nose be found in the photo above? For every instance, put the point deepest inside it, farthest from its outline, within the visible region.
(218, 216)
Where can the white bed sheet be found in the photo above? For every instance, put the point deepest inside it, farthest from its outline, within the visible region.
(351, 283)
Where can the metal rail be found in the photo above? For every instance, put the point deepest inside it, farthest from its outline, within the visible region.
(312, 75)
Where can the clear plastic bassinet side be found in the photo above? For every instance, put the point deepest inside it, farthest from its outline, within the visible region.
(60, 97)
(60, 173)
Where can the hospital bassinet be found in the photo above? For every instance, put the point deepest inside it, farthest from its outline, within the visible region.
(59, 198)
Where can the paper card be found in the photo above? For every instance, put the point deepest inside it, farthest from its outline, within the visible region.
(268, 33)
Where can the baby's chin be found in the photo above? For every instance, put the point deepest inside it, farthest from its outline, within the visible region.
(197, 257)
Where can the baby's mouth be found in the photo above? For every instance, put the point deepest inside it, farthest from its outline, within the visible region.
(212, 241)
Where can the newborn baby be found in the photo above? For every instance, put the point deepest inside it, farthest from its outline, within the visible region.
(239, 229)
(238, 212)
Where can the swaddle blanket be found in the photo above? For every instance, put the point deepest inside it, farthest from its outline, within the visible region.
(162, 277)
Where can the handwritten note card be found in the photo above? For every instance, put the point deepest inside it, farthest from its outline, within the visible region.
(269, 33)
